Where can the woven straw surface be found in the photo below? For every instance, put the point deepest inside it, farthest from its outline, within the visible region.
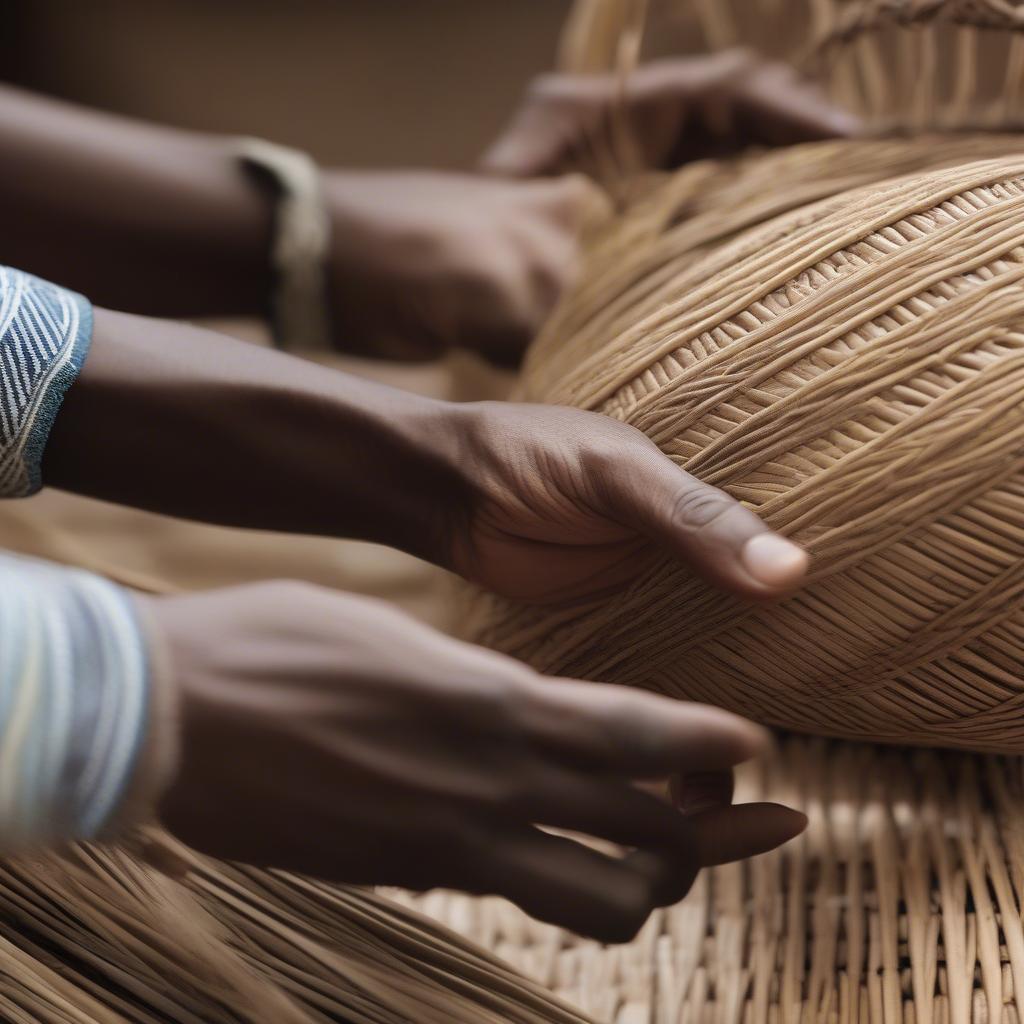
(100, 937)
(900, 905)
(902, 65)
(853, 372)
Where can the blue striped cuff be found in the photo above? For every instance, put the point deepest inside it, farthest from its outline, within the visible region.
(44, 337)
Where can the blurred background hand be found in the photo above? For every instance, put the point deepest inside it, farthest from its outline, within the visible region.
(678, 110)
(426, 261)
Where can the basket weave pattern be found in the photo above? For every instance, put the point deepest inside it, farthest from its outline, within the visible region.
(855, 377)
(901, 903)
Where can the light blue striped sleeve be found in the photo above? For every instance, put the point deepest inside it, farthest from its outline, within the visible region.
(44, 337)
(75, 702)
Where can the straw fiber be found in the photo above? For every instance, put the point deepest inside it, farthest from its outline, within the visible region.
(902, 903)
(902, 65)
(100, 937)
(852, 371)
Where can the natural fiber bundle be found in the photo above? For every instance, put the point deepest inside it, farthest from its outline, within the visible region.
(901, 903)
(853, 372)
(100, 937)
(903, 65)
(673, 236)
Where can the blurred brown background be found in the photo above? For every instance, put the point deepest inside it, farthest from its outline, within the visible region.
(359, 82)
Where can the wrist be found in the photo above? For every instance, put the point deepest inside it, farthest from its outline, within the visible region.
(232, 221)
(416, 484)
(400, 278)
(158, 760)
(362, 281)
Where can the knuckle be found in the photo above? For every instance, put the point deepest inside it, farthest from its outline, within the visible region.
(630, 906)
(699, 507)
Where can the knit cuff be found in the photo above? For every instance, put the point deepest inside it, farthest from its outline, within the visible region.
(44, 337)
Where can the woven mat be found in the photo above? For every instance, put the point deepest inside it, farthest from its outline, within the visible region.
(901, 903)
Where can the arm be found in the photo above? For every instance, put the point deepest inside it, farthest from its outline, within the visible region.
(536, 502)
(252, 721)
(166, 222)
(137, 216)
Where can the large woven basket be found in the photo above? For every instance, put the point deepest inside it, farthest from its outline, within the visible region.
(853, 371)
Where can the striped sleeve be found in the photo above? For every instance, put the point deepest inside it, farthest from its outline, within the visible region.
(44, 336)
(76, 702)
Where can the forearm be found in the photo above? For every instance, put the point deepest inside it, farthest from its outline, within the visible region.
(136, 216)
(179, 420)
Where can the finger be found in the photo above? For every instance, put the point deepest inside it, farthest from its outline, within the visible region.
(672, 876)
(789, 108)
(781, 108)
(700, 791)
(533, 144)
(564, 883)
(704, 527)
(727, 834)
(635, 735)
(610, 809)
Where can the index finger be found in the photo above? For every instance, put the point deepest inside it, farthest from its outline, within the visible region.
(637, 735)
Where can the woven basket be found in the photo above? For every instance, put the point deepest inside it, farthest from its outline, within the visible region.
(902, 65)
(853, 372)
(902, 903)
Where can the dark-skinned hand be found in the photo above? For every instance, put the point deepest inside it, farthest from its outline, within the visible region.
(678, 110)
(334, 736)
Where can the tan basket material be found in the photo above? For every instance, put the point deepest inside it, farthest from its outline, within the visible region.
(852, 372)
(100, 937)
(902, 65)
(900, 905)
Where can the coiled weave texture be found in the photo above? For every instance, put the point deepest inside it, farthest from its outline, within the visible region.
(853, 371)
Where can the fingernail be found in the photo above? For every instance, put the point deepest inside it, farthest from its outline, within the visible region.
(774, 561)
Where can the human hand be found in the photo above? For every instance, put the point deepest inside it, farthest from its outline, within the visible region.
(679, 110)
(426, 261)
(560, 504)
(332, 735)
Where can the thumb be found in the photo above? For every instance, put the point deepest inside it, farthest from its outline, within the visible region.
(703, 527)
(727, 834)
